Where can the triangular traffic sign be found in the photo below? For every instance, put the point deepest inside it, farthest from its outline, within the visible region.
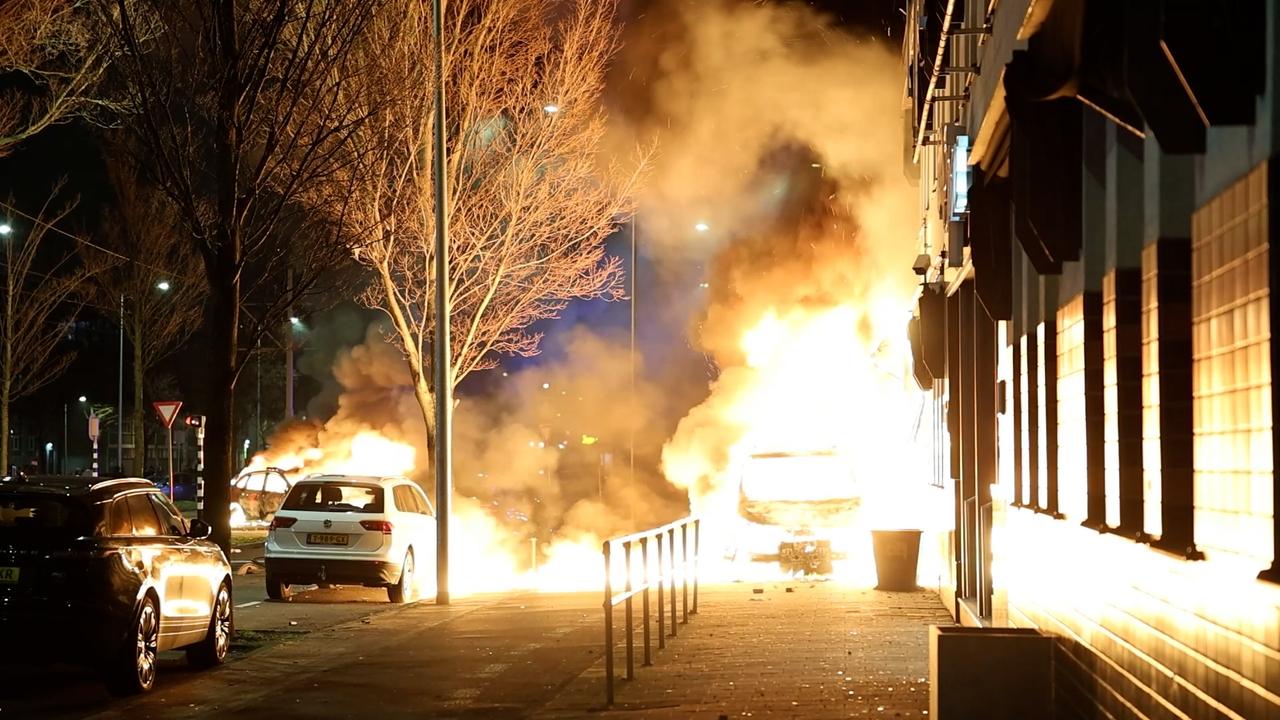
(167, 410)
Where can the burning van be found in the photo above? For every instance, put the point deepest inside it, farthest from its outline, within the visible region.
(792, 505)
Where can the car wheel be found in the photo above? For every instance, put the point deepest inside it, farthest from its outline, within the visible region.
(217, 642)
(403, 591)
(277, 590)
(134, 671)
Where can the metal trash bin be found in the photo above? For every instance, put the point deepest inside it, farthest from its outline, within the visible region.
(897, 553)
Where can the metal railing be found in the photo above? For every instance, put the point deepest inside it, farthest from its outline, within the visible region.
(664, 574)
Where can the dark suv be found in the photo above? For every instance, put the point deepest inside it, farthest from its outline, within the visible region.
(108, 571)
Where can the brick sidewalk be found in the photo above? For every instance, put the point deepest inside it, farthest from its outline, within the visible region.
(819, 651)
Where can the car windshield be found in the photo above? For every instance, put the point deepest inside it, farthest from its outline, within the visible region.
(33, 514)
(334, 497)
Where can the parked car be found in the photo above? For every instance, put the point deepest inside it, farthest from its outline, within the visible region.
(108, 572)
(256, 495)
(184, 485)
(352, 530)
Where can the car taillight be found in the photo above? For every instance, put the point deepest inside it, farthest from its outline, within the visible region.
(281, 522)
(383, 526)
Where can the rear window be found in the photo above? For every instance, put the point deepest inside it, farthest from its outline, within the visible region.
(37, 514)
(334, 497)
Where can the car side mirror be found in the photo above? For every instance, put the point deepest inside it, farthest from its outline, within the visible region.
(199, 529)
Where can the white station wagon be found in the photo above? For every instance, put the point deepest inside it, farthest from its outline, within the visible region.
(352, 530)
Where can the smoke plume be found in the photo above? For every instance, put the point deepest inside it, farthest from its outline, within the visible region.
(780, 174)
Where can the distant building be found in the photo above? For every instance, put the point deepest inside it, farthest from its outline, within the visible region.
(1096, 183)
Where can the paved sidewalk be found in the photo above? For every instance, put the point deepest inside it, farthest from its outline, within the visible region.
(817, 651)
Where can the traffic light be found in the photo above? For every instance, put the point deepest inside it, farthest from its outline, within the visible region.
(195, 420)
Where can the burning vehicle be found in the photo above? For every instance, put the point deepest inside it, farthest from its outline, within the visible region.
(792, 507)
(256, 495)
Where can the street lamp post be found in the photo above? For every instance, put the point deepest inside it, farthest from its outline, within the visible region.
(120, 393)
(631, 442)
(440, 363)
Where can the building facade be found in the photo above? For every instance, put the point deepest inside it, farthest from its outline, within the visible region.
(1095, 326)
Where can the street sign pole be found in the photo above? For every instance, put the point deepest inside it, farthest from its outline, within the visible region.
(93, 435)
(170, 430)
(168, 410)
(199, 423)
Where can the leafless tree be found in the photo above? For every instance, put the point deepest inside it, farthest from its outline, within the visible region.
(40, 301)
(149, 269)
(529, 207)
(238, 115)
(55, 54)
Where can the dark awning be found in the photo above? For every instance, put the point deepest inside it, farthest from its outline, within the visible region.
(918, 369)
(1045, 171)
(932, 310)
(991, 245)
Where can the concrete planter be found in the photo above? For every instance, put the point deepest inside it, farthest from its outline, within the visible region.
(990, 673)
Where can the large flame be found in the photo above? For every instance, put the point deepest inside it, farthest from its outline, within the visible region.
(820, 413)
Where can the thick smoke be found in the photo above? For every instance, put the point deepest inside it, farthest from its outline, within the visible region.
(723, 85)
(783, 134)
(547, 454)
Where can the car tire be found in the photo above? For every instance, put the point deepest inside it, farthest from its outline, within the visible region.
(133, 671)
(277, 590)
(212, 651)
(403, 591)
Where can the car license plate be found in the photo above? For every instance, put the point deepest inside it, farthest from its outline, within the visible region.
(326, 539)
(8, 575)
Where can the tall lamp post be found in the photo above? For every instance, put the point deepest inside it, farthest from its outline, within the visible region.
(63, 463)
(440, 363)
(120, 393)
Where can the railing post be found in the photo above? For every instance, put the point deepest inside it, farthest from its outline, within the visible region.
(644, 604)
(608, 628)
(662, 603)
(697, 554)
(631, 649)
(684, 571)
(671, 544)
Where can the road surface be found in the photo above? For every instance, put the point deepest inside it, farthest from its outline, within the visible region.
(480, 657)
(73, 692)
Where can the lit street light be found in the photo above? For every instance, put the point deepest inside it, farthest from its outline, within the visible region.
(5, 228)
(702, 227)
(551, 108)
(63, 459)
(163, 286)
(295, 321)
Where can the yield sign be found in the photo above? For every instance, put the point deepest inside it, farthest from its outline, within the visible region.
(167, 410)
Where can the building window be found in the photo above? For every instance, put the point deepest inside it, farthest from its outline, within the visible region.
(1030, 424)
(1072, 444)
(1152, 499)
(1231, 372)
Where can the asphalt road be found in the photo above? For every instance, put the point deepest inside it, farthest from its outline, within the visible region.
(67, 691)
(494, 656)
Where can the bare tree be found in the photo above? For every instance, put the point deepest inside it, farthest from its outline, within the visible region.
(55, 53)
(530, 206)
(149, 270)
(40, 301)
(238, 115)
